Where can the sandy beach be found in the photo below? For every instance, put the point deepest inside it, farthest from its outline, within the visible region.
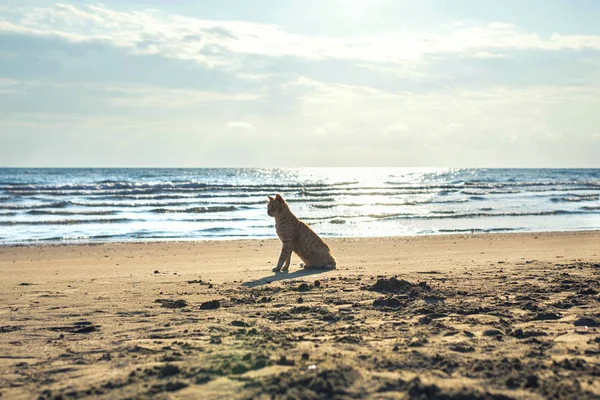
(435, 317)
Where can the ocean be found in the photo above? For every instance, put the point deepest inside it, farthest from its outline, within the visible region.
(105, 205)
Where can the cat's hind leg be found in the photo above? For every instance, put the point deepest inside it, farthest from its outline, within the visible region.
(325, 261)
(326, 266)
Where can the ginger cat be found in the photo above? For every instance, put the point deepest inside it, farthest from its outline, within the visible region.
(297, 237)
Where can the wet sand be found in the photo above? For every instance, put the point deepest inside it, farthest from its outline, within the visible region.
(447, 317)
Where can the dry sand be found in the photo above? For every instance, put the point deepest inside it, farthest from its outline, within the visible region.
(468, 317)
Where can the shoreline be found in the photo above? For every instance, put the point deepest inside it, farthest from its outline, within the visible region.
(511, 314)
(254, 238)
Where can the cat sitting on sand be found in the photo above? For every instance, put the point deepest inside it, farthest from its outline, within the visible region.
(297, 237)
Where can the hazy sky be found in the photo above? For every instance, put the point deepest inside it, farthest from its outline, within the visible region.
(300, 83)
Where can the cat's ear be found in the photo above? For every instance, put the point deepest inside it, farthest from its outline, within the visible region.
(270, 198)
(279, 198)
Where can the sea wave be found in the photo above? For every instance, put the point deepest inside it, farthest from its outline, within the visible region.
(474, 215)
(477, 230)
(495, 185)
(477, 198)
(195, 210)
(400, 204)
(575, 198)
(159, 186)
(217, 229)
(69, 221)
(28, 206)
(53, 212)
(181, 203)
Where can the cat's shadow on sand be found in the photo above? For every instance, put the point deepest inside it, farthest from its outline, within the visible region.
(281, 276)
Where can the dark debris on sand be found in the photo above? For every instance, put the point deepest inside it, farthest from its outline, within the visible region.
(167, 303)
(341, 382)
(9, 328)
(323, 384)
(358, 337)
(210, 305)
(395, 286)
(77, 327)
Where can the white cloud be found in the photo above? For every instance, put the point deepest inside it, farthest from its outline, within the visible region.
(320, 130)
(242, 125)
(132, 95)
(240, 130)
(501, 25)
(156, 97)
(328, 128)
(397, 128)
(488, 55)
(498, 126)
(8, 82)
(429, 121)
(456, 127)
(403, 71)
(7, 86)
(221, 43)
(453, 126)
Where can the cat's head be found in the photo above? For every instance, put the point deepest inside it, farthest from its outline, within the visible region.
(276, 205)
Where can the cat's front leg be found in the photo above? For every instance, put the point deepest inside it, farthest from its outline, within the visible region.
(286, 266)
(286, 254)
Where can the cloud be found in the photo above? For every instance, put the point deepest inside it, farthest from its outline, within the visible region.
(7, 86)
(95, 82)
(225, 44)
(156, 97)
(241, 125)
(7, 82)
(238, 132)
(453, 126)
(498, 126)
(160, 49)
(478, 127)
(501, 26)
(328, 128)
(135, 100)
(488, 55)
(319, 130)
(397, 128)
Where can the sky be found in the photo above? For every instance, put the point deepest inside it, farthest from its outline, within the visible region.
(287, 83)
